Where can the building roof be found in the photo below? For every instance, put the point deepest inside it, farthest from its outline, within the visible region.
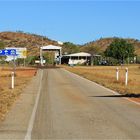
(51, 47)
(79, 54)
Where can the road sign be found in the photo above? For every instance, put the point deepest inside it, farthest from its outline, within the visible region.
(21, 52)
(8, 52)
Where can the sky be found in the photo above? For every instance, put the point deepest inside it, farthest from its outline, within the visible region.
(78, 21)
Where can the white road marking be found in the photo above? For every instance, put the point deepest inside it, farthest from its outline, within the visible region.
(116, 93)
(32, 119)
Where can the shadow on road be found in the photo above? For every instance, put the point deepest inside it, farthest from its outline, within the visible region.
(48, 67)
(119, 96)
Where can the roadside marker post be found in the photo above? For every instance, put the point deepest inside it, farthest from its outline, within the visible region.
(126, 76)
(12, 75)
(117, 74)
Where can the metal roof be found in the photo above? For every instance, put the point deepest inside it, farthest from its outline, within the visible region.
(51, 47)
(79, 54)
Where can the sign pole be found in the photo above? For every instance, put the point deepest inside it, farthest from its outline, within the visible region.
(14, 68)
(24, 62)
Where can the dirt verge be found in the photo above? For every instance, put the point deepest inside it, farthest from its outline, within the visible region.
(7, 95)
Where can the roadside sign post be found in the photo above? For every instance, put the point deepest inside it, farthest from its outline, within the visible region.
(117, 73)
(126, 76)
(20, 53)
(24, 62)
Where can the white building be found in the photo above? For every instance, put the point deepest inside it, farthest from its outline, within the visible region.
(76, 58)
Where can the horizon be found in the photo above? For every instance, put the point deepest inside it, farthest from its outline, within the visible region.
(78, 22)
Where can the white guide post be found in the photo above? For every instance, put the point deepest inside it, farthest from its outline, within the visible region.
(117, 73)
(12, 75)
(60, 56)
(126, 76)
(41, 57)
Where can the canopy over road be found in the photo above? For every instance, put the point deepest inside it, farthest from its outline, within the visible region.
(57, 49)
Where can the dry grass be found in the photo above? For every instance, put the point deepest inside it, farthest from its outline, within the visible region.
(106, 76)
(7, 95)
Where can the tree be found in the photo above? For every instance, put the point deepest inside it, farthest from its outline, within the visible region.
(69, 47)
(120, 49)
(92, 50)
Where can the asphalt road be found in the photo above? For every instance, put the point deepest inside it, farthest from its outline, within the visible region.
(73, 108)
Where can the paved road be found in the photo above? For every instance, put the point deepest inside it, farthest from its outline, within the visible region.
(73, 108)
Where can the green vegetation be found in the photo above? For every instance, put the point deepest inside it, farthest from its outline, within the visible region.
(30, 60)
(69, 48)
(49, 57)
(93, 50)
(120, 49)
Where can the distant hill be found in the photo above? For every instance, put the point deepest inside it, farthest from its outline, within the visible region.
(103, 43)
(31, 41)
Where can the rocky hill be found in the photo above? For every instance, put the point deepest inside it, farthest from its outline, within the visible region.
(31, 41)
(103, 43)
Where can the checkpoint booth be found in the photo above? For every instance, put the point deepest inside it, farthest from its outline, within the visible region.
(56, 49)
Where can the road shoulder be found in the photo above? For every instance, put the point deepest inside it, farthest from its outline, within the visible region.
(130, 99)
(16, 123)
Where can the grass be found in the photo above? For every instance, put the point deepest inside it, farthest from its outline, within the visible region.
(7, 95)
(106, 76)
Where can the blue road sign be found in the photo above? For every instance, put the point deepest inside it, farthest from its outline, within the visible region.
(7, 52)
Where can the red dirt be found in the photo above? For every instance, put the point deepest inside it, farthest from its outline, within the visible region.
(136, 99)
(28, 72)
(21, 72)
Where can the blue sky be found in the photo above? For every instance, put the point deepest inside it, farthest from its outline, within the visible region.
(75, 21)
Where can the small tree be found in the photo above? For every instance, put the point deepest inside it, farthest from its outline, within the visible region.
(70, 48)
(120, 49)
(92, 50)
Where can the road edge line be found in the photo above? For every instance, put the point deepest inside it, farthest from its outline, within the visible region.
(116, 93)
(32, 118)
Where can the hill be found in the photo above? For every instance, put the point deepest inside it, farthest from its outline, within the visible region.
(31, 41)
(103, 43)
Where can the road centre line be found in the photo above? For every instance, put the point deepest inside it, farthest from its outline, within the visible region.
(32, 119)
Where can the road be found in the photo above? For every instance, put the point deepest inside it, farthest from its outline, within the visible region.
(71, 107)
